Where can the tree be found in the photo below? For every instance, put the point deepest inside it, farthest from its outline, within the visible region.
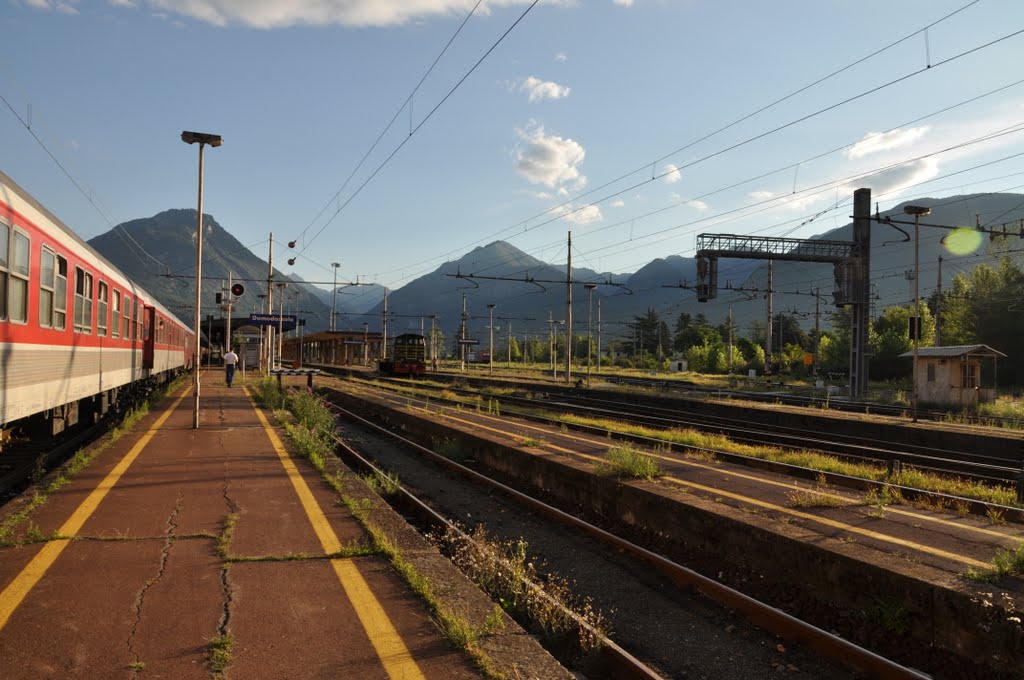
(651, 334)
(892, 338)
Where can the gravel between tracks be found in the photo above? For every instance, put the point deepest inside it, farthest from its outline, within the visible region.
(680, 634)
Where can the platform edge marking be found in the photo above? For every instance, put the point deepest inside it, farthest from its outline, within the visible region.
(390, 648)
(18, 589)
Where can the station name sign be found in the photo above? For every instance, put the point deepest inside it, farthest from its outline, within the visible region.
(272, 320)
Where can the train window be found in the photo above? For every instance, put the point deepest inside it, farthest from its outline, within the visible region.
(83, 301)
(47, 273)
(115, 312)
(127, 318)
(17, 284)
(60, 298)
(138, 321)
(5, 238)
(101, 309)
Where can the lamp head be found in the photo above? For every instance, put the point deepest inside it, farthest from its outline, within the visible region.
(201, 138)
(916, 210)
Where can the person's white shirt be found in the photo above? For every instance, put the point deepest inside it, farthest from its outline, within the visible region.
(230, 358)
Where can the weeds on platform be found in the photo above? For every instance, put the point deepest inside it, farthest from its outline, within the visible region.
(78, 462)
(312, 435)
(504, 570)
(626, 462)
(819, 497)
(1008, 562)
(218, 652)
(382, 483)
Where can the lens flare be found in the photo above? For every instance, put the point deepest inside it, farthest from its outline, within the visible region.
(963, 241)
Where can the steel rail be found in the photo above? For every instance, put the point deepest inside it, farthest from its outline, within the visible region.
(765, 616)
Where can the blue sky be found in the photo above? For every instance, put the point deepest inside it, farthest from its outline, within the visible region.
(579, 95)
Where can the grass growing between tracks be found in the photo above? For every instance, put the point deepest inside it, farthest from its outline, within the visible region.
(705, 444)
(1006, 563)
(625, 462)
(70, 469)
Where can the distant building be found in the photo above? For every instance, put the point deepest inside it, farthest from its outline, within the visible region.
(952, 375)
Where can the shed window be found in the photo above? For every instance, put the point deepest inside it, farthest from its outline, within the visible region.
(931, 372)
(969, 375)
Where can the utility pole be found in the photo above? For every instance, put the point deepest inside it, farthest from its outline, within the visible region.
(384, 324)
(462, 345)
(509, 343)
(730, 339)
(598, 335)
(938, 307)
(817, 327)
(768, 335)
(270, 304)
(231, 306)
(490, 328)
(568, 311)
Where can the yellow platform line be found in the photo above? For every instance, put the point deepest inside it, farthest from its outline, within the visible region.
(24, 582)
(393, 654)
(762, 504)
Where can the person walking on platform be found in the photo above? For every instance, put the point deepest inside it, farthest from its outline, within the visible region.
(230, 360)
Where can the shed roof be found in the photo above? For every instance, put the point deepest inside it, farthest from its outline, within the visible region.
(952, 351)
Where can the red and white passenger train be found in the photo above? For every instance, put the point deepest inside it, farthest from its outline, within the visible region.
(76, 334)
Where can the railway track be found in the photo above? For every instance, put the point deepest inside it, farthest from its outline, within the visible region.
(963, 464)
(641, 563)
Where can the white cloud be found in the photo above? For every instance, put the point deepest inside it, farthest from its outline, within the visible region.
(900, 177)
(623, 3)
(562, 56)
(124, 3)
(549, 160)
(762, 195)
(65, 8)
(875, 142)
(279, 14)
(699, 205)
(672, 174)
(543, 89)
(618, 203)
(588, 214)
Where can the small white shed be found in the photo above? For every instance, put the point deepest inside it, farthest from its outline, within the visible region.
(952, 375)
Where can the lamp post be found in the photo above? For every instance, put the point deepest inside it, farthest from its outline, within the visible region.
(280, 321)
(916, 211)
(490, 327)
(366, 343)
(334, 310)
(213, 140)
(590, 337)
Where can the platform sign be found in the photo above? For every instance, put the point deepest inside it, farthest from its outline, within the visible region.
(288, 320)
(469, 342)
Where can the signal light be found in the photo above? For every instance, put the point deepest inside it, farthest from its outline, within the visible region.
(237, 289)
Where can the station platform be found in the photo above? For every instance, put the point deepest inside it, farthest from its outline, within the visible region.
(209, 552)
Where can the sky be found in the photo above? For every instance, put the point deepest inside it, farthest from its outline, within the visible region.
(633, 124)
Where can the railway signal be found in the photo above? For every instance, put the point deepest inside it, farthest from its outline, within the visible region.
(237, 289)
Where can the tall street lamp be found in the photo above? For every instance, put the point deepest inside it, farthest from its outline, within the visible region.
(590, 336)
(915, 330)
(366, 343)
(213, 140)
(490, 355)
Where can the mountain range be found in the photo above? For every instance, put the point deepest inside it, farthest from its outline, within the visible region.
(159, 253)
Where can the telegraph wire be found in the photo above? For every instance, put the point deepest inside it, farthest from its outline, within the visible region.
(406, 103)
(422, 122)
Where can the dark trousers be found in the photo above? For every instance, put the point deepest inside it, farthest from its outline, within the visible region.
(229, 373)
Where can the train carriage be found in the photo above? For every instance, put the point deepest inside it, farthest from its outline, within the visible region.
(74, 330)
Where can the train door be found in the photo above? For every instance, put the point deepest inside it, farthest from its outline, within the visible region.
(148, 336)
